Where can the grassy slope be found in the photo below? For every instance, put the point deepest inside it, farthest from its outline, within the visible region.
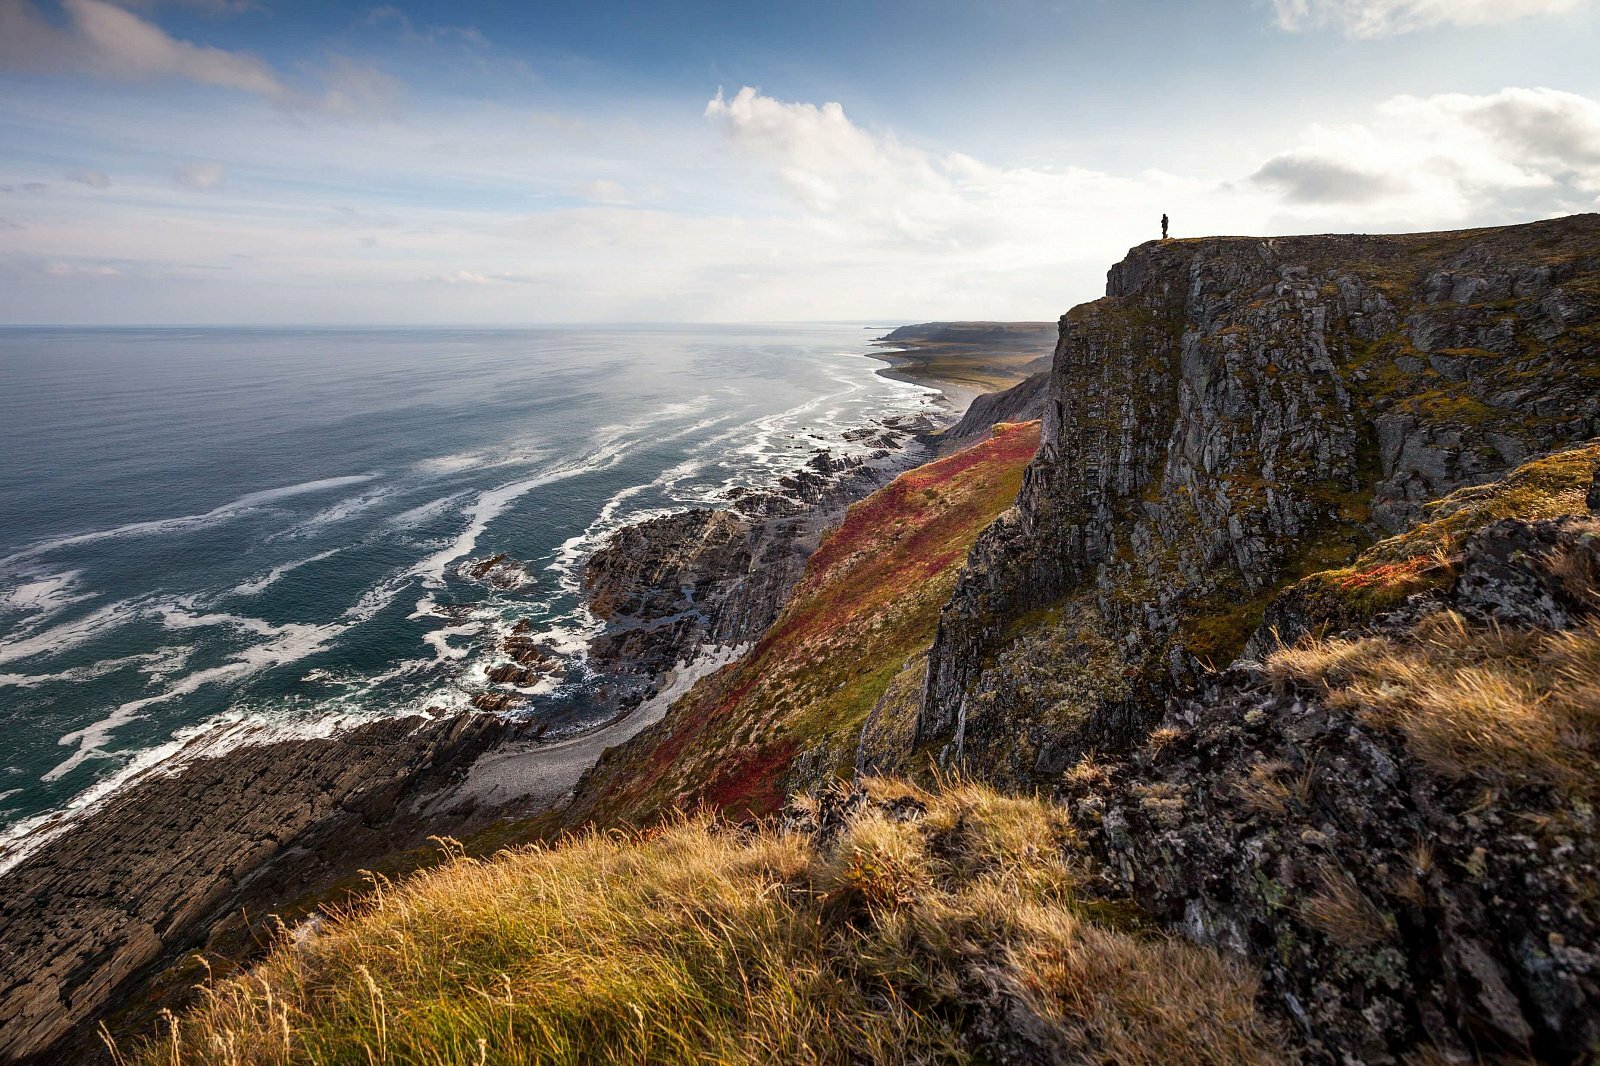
(1502, 705)
(869, 601)
(935, 928)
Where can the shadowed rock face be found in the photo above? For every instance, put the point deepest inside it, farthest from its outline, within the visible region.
(1234, 414)
(150, 875)
(1390, 904)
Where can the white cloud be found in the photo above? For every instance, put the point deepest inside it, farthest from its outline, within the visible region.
(113, 42)
(201, 177)
(1448, 158)
(761, 210)
(1383, 18)
(833, 167)
(124, 45)
(473, 277)
(411, 33)
(602, 191)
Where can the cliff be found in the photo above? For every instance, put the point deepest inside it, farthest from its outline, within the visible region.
(1286, 622)
(1235, 414)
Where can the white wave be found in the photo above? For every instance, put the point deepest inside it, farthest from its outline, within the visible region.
(232, 508)
(346, 508)
(417, 515)
(451, 464)
(612, 444)
(78, 674)
(287, 643)
(259, 583)
(376, 598)
(44, 594)
(213, 737)
(70, 634)
(439, 640)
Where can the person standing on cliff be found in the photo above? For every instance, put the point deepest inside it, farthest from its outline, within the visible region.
(1163, 226)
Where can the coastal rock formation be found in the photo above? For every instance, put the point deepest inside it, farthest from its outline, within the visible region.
(180, 857)
(788, 713)
(498, 571)
(717, 577)
(1237, 413)
(1398, 826)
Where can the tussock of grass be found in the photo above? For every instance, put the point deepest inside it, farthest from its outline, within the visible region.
(938, 938)
(1471, 701)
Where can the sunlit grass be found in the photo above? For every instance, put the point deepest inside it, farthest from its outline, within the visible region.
(1472, 701)
(925, 940)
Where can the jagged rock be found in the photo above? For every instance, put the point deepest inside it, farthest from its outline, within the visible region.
(1390, 904)
(495, 702)
(1499, 582)
(673, 584)
(498, 571)
(1236, 413)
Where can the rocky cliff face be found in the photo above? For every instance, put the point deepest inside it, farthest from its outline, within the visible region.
(1235, 414)
(1398, 823)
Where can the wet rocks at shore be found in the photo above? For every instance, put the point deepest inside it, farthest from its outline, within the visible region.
(499, 572)
(717, 577)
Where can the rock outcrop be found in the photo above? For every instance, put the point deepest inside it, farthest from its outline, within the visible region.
(1404, 883)
(717, 577)
(1237, 413)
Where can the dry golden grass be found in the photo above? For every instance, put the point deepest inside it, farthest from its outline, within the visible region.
(1471, 701)
(697, 943)
(1340, 909)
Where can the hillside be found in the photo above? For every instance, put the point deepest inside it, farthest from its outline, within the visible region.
(1282, 633)
(885, 925)
(856, 626)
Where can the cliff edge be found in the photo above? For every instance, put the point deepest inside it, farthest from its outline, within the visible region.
(1237, 413)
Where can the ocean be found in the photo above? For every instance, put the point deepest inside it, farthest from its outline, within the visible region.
(209, 536)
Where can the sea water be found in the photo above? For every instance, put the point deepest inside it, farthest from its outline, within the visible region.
(216, 535)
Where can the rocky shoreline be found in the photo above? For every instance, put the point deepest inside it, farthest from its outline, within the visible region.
(187, 860)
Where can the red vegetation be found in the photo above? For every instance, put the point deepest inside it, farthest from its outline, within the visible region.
(868, 602)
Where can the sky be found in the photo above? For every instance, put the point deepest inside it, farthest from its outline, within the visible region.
(280, 162)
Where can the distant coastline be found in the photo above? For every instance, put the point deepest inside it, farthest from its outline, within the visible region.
(964, 360)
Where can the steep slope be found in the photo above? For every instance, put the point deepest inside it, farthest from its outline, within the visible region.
(1237, 413)
(864, 613)
(1022, 402)
(1397, 821)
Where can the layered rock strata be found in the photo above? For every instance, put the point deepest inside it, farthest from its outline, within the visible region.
(179, 858)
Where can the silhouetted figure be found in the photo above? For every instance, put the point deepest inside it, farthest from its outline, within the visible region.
(1163, 227)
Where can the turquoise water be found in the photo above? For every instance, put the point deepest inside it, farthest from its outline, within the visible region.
(208, 535)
